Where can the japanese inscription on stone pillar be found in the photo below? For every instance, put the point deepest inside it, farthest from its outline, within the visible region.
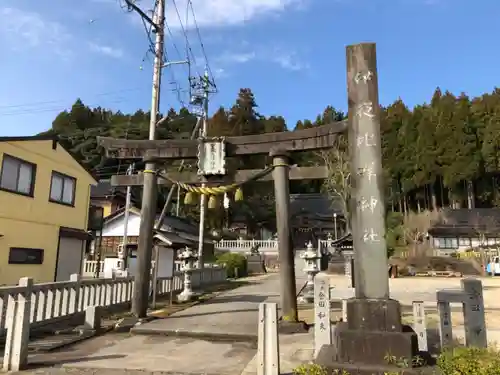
(367, 201)
(322, 334)
(445, 329)
(474, 316)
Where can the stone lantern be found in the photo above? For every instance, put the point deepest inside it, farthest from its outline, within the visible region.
(188, 258)
(310, 257)
(329, 240)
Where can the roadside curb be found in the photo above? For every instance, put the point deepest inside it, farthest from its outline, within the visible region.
(208, 336)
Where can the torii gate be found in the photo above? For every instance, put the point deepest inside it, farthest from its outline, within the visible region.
(278, 145)
(372, 317)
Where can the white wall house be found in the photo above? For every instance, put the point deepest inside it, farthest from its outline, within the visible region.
(180, 231)
(463, 229)
(462, 243)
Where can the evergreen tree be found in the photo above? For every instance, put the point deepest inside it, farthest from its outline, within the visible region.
(434, 155)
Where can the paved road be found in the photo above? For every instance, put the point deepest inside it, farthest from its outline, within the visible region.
(156, 355)
(232, 313)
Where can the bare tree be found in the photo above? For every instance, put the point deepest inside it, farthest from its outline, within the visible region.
(416, 227)
(338, 182)
(484, 226)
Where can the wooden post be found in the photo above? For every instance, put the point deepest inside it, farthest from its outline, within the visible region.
(285, 246)
(268, 352)
(419, 325)
(140, 301)
(142, 277)
(367, 202)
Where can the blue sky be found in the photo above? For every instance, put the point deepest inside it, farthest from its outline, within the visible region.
(291, 53)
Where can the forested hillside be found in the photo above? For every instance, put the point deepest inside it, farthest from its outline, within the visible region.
(433, 154)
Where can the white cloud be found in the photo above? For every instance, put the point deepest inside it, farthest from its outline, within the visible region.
(21, 29)
(109, 51)
(220, 73)
(29, 30)
(211, 13)
(286, 59)
(239, 58)
(289, 61)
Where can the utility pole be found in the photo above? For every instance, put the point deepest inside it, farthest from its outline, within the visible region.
(124, 262)
(203, 197)
(149, 196)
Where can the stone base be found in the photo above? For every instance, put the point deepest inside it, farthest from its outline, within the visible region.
(372, 347)
(255, 264)
(305, 299)
(290, 328)
(373, 338)
(126, 324)
(374, 315)
(187, 297)
(333, 367)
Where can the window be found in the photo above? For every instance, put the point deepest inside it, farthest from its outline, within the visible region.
(17, 175)
(62, 189)
(446, 243)
(464, 241)
(21, 255)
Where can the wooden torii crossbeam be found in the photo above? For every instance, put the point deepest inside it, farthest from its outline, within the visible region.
(317, 138)
(277, 145)
(192, 178)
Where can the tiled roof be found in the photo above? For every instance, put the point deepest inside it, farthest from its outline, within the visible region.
(319, 205)
(467, 222)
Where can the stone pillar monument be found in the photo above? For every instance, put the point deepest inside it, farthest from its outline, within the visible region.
(373, 327)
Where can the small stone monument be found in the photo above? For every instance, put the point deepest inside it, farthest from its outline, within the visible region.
(322, 324)
(310, 257)
(255, 261)
(188, 258)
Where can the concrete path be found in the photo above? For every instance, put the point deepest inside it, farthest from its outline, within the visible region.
(231, 315)
(215, 337)
(120, 354)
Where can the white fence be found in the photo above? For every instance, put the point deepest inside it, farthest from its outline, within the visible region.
(89, 267)
(264, 246)
(52, 302)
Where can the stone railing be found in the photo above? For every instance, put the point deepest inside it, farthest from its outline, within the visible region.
(243, 246)
(53, 302)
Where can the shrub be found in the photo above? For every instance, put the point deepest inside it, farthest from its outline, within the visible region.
(310, 369)
(454, 361)
(232, 261)
(469, 360)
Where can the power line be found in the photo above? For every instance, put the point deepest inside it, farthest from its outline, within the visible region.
(184, 32)
(61, 101)
(19, 111)
(61, 108)
(190, 3)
